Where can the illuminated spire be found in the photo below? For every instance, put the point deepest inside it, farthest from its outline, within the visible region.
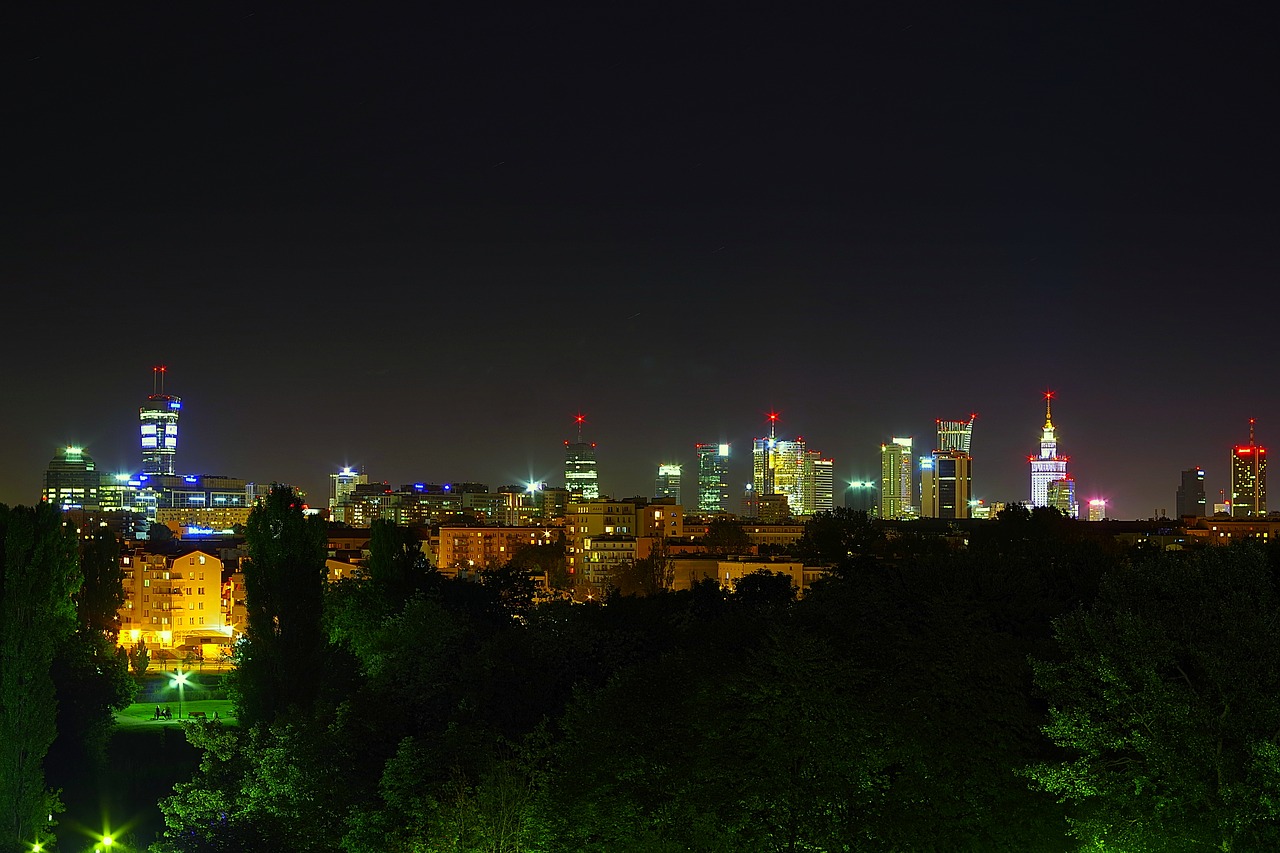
(1048, 417)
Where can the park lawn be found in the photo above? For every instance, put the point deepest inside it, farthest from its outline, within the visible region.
(142, 714)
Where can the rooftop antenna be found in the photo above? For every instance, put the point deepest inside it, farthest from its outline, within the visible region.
(1251, 441)
(157, 379)
(773, 425)
(580, 419)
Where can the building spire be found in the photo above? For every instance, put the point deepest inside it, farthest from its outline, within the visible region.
(580, 419)
(1251, 441)
(1048, 417)
(773, 425)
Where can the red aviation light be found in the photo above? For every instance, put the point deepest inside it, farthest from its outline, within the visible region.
(580, 418)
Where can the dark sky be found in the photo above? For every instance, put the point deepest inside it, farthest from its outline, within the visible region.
(420, 241)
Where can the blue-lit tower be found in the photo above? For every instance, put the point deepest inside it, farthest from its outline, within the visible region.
(581, 478)
(159, 426)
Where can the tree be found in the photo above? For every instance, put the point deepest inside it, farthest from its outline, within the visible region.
(282, 656)
(139, 658)
(38, 575)
(765, 590)
(838, 537)
(1163, 700)
(92, 680)
(648, 575)
(397, 567)
(726, 537)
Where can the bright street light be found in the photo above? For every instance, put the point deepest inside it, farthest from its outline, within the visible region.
(179, 680)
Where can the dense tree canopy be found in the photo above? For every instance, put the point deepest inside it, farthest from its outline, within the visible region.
(892, 708)
(39, 574)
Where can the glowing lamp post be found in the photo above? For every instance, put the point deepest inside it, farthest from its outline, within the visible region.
(178, 680)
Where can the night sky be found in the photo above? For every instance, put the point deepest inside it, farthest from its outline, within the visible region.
(421, 241)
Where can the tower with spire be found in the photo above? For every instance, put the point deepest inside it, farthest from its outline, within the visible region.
(1248, 478)
(1048, 467)
(580, 476)
(158, 426)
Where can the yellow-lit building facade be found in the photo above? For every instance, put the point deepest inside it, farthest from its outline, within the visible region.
(174, 603)
(471, 549)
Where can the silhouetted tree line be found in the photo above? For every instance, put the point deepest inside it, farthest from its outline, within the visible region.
(1037, 691)
(61, 675)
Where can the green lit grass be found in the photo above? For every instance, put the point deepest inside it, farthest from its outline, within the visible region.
(141, 714)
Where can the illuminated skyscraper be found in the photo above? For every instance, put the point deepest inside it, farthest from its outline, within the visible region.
(70, 482)
(580, 476)
(668, 483)
(713, 478)
(1061, 495)
(895, 479)
(341, 487)
(784, 467)
(1048, 466)
(955, 435)
(818, 483)
(861, 497)
(1190, 499)
(946, 476)
(1097, 509)
(946, 482)
(159, 426)
(1248, 478)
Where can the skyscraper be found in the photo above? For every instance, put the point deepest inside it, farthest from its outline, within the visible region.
(1061, 495)
(788, 468)
(1248, 478)
(946, 483)
(713, 478)
(1190, 498)
(668, 483)
(71, 481)
(580, 476)
(341, 486)
(956, 435)
(159, 426)
(818, 483)
(861, 497)
(946, 476)
(895, 479)
(1048, 466)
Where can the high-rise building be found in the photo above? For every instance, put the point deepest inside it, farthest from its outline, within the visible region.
(818, 483)
(1097, 509)
(1048, 465)
(159, 426)
(1248, 478)
(861, 496)
(1061, 495)
(1190, 498)
(341, 486)
(946, 476)
(580, 476)
(895, 479)
(955, 435)
(777, 467)
(668, 483)
(713, 478)
(946, 483)
(71, 481)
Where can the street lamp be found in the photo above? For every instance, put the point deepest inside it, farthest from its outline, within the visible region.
(178, 680)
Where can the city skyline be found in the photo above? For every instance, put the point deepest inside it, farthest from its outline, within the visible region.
(551, 469)
(416, 242)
